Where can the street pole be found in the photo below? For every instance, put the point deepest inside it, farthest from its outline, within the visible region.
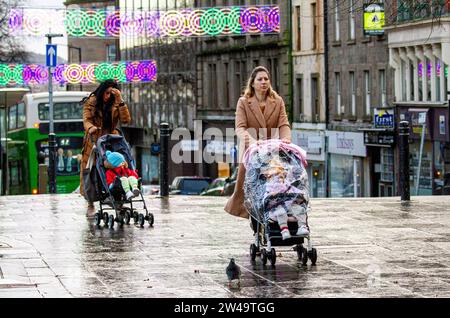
(403, 144)
(51, 132)
(164, 160)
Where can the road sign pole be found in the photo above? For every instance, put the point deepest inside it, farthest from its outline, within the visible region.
(51, 55)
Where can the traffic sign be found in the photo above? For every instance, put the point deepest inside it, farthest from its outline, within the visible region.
(51, 55)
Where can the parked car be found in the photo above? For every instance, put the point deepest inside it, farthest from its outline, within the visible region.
(215, 188)
(189, 185)
(230, 183)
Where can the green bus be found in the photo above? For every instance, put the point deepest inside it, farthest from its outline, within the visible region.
(27, 141)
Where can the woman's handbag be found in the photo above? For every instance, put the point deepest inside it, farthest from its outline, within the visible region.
(90, 179)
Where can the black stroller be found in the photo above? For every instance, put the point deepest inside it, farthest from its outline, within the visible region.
(261, 197)
(115, 199)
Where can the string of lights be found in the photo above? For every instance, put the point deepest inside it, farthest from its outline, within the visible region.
(123, 72)
(172, 23)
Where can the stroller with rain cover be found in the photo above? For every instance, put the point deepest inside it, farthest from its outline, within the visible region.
(114, 199)
(276, 178)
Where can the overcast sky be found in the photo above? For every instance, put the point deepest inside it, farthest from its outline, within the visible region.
(37, 44)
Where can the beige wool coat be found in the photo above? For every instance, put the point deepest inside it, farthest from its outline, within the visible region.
(119, 114)
(252, 125)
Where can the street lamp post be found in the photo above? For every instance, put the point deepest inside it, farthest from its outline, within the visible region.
(51, 133)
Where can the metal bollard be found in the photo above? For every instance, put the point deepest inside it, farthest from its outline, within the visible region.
(164, 160)
(403, 134)
(52, 163)
(43, 179)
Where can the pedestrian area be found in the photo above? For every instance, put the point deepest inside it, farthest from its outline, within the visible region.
(366, 248)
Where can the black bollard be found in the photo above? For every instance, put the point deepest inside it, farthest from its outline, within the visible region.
(52, 163)
(403, 134)
(164, 160)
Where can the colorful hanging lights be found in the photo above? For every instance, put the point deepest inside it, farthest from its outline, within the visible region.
(123, 72)
(172, 23)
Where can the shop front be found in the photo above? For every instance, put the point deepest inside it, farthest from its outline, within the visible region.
(313, 143)
(429, 149)
(347, 164)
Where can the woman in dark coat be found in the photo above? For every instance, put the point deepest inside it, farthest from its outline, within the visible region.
(102, 112)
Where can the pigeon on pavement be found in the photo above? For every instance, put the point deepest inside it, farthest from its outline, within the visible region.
(233, 272)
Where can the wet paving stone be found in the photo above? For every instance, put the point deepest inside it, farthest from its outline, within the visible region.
(367, 247)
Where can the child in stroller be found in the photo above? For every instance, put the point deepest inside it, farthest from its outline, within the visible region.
(113, 155)
(119, 177)
(276, 194)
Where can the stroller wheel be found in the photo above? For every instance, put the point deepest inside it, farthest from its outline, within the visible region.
(121, 220)
(264, 256)
(253, 252)
(111, 221)
(135, 217)
(304, 257)
(313, 256)
(97, 219)
(105, 217)
(141, 219)
(127, 218)
(273, 257)
(151, 219)
(299, 251)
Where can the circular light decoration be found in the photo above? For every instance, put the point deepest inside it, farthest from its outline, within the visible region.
(113, 23)
(152, 24)
(252, 20)
(35, 23)
(104, 71)
(15, 21)
(146, 71)
(132, 24)
(74, 73)
(5, 74)
(232, 23)
(213, 21)
(131, 72)
(77, 22)
(172, 23)
(17, 73)
(58, 74)
(41, 74)
(120, 72)
(193, 22)
(274, 19)
(96, 23)
(28, 74)
(89, 73)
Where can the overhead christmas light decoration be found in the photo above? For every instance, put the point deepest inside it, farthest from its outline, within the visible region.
(123, 72)
(173, 23)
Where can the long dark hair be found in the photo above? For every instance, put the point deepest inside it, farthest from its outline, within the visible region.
(100, 106)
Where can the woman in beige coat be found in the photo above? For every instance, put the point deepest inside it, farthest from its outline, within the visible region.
(102, 111)
(260, 115)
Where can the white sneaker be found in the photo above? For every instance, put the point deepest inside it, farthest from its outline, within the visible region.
(285, 234)
(303, 230)
(129, 195)
(136, 192)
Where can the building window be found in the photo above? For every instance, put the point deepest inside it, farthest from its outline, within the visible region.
(337, 77)
(227, 86)
(275, 75)
(387, 165)
(351, 20)
(382, 77)
(315, 94)
(213, 91)
(298, 19)
(438, 79)
(367, 91)
(111, 52)
(300, 110)
(420, 80)
(353, 93)
(315, 26)
(237, 77)
(428, 78)
(337, 32)
(411, 81)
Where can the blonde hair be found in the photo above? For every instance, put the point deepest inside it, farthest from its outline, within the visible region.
(250, 90)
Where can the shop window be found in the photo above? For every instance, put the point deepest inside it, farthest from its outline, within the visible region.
(387, 165)
(426, 173)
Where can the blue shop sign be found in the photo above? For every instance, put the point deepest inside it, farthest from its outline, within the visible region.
(384, 120)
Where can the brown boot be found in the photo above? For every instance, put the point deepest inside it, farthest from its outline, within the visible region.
(90, 210)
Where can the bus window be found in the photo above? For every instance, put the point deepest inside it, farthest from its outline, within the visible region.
(62, 110)
(15, 173)
(21, 115)
(12, 117)
(68, 154)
